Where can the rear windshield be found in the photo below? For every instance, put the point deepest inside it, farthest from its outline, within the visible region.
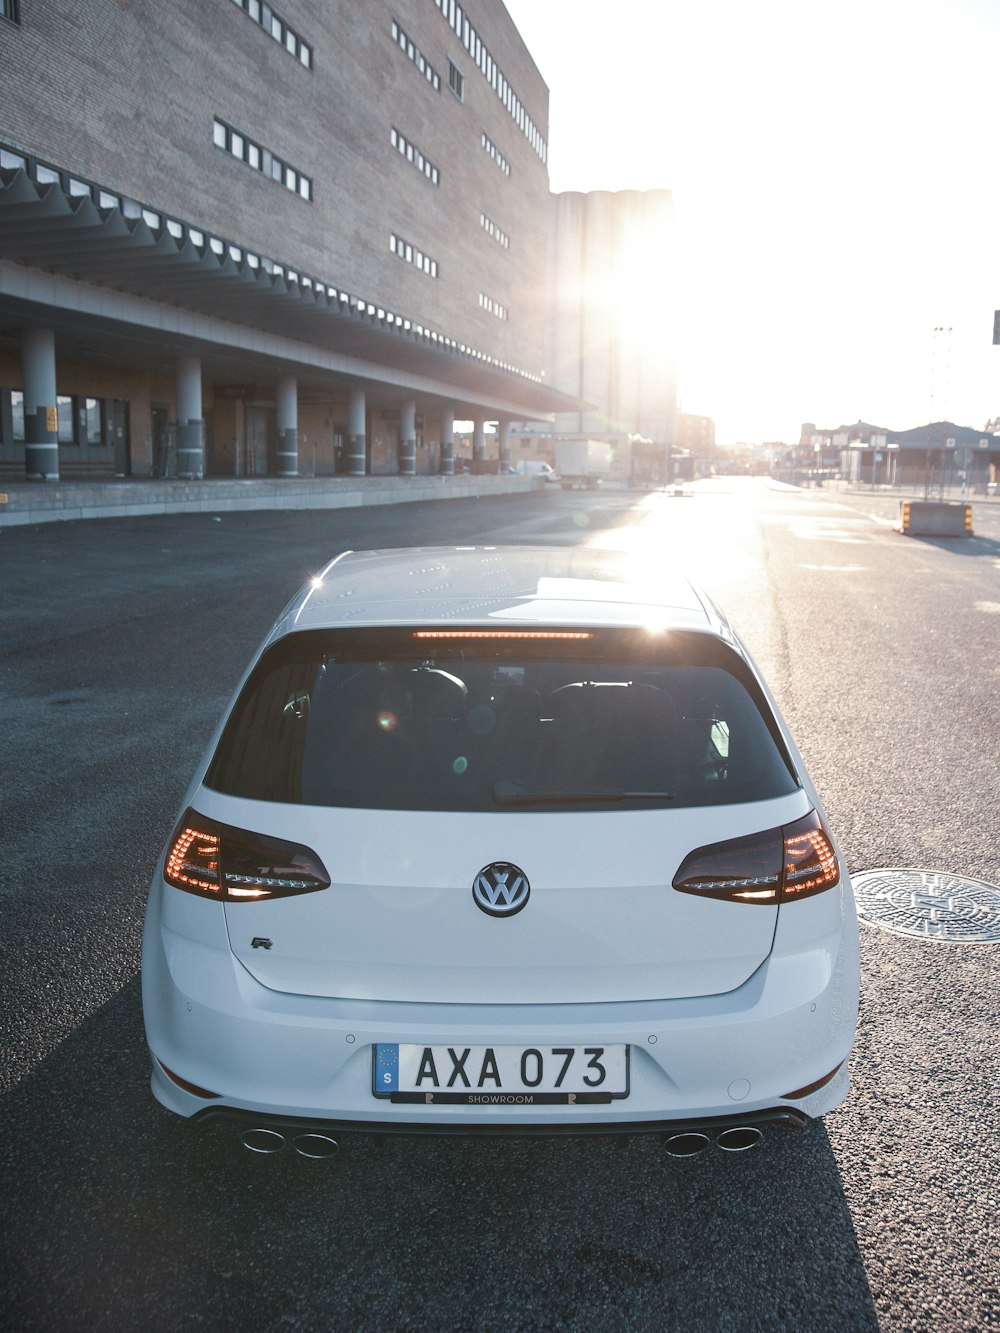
(391, 720)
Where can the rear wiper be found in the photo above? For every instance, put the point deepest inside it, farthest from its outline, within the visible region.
(508, 793)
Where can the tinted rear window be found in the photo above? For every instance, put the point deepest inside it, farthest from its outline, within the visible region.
(383, 720)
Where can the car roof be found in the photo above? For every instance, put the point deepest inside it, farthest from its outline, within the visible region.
(499, 585)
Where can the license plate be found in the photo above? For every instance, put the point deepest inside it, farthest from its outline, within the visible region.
(499, 1075)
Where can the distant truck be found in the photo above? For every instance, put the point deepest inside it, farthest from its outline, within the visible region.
(583, 462)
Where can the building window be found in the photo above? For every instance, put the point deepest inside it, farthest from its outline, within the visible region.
(492, 307)
(262, 159)
(413, 51)
(11, 416)
(498, 234)
(455, 80)
(9, 9)
(496, 154)
(64, 409)
(412, 254)
(276, 27)
(414, 156)
(92, 431)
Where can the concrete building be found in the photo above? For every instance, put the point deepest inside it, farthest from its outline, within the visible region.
(238, 239)
(611, 340)
(696, 434)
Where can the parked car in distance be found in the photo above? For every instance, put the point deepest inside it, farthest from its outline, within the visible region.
(533, 467)
(500, 840)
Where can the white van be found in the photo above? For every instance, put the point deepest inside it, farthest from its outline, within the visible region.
(533, 467)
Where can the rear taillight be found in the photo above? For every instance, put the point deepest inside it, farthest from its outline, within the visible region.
(777, 866)
(810, 861)
(746, 870)
(234, 865)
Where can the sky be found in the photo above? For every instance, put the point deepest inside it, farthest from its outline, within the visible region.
(836, 193)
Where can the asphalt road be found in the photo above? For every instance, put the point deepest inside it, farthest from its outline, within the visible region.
(121, 642)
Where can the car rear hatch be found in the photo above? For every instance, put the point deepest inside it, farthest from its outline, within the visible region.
(601, 921)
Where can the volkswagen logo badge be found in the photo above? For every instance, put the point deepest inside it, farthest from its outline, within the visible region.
(500, 889)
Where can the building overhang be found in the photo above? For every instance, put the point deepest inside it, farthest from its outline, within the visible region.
(144, 287)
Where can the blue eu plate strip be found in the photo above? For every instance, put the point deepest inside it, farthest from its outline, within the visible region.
(386, 1067)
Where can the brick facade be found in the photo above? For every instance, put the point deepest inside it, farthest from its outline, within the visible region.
(127, 96)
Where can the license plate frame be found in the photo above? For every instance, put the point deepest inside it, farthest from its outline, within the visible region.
(446, 1074)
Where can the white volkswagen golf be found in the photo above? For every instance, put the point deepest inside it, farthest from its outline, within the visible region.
(500, 840)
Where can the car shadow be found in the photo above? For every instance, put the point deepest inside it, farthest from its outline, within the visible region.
(118, 1215)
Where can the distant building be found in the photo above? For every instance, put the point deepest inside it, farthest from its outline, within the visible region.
(696, 435)
(938, 454)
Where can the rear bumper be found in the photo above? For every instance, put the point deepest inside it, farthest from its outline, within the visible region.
(715, 1061)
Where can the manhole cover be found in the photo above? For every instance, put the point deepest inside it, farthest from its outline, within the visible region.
(929, 904)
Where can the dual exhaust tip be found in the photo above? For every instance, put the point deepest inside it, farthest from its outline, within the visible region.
(317, 1147)
(314, 1146)
(689, 1143)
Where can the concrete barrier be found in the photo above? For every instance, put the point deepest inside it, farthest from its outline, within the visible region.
(935, 518)
(24, 503)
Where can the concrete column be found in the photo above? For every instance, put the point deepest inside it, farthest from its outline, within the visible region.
(287, 456)
(41, 418)
(448, 442)
(479, 445)
(408, 439)
(356, 434)
(503, 435)
(190, 423)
